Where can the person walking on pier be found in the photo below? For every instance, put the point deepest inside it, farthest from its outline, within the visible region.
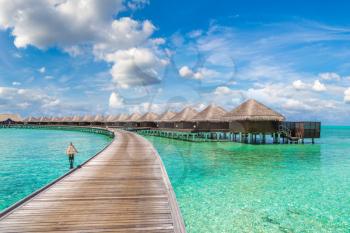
(71, 151)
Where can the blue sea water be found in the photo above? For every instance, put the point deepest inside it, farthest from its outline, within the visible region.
(220, 187)
(32, 158)
(233, 187)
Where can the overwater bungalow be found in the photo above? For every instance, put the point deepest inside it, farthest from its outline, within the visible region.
(121, 120)
(182, 120)
(133, 120)
(210, 119)
(111, 120)
(148, 120)
(163, 120)
(87, 120)
(67, 120)
(253, 117)
(55, 120)
(9, 119)
(98, 120)
(76, 120)
(31, 120)
(44, 120)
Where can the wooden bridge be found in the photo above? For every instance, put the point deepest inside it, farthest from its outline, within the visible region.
(123, 189)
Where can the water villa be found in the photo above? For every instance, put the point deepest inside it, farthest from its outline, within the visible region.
(10, 119)
(182, 120)
(163, 120)
(133, 120)
(210, 119)
(148, 120)
(250, 122)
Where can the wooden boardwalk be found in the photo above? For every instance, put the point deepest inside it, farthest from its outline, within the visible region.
(123, 189)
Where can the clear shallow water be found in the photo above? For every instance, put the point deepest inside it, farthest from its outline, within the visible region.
(229, 187)
(32, 158)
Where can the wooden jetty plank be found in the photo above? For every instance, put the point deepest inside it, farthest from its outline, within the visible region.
(123, 189)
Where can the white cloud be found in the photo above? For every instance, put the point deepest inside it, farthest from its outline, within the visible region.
(200, 74)
(48, 23)
(137, 4)
(42, 70)
(223, 90)
(299, 85)
(115, 100)
(136, 67)
(124, 42)
(146, 107)
(287, 99)
(185, 71)
(122, 34)
(347, 95)
(318, 86)
(293, 104)
(330, 76)
(16, 83)
(17, 98)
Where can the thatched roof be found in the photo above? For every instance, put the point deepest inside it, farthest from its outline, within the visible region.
(149, 116)
(44, 119)
(87, 118)
(13, 117)
(67, 119)
(60, 119)
(99, 118)
(185, 115)
(134, 117)
(77, 118)
(31, 119)
(111, 118)
(252, 110)
(122, 117)
(166, 116)
(56, 119)
(210, 113)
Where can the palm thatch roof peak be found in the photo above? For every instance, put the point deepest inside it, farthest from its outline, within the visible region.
(87, 118)
(77, 118)
(99, 118)
(166, 116)
(185, 115)
(122, 117)
(13, 117)
(149, 116)
(211, 113)
(67, 119)
(134, 117)
(31, 119)
(111, 118)
(252, 110)
(44, 119)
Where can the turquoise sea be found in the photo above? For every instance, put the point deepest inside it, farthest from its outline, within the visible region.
(220, 187)
(231, 187)
(32, 158)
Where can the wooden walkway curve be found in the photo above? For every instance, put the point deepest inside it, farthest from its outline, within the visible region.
(123, 189)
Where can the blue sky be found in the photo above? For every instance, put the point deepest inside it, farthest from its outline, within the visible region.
(139, 55)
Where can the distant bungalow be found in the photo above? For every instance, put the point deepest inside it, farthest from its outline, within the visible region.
(250, 122)
(10, 119)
